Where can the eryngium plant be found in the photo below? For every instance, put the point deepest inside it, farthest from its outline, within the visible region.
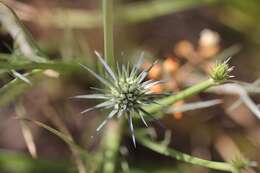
(221, 71)
(125, 92)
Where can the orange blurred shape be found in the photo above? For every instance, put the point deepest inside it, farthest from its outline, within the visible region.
(145, 64)
(178, 115)
(51, 73)
(155, 72)
(170, 65)
(171, 85)
(208, 52)
(227, 148)
(184, 48)
(157, 89)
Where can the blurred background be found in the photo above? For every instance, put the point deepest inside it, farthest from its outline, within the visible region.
(187, 36)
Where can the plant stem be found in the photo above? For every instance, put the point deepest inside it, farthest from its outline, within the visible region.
(159, 148)
(61, 67)
(107, 6)
(113, 134)
(180, 96)
(111, 145)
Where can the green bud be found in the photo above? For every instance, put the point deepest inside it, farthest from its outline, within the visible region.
(221, 72)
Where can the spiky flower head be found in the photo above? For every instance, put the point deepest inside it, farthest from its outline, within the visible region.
(220, 72)
(125, 92)
(241, 164)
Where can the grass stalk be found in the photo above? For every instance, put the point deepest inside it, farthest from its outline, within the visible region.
(113, 134)
(26, 130)
(108, 24)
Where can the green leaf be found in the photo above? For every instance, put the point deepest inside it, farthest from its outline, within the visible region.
(62, 136)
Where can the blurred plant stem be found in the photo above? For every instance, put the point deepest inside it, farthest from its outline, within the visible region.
(111, 145)
(27, 133)
(113, 134)
(53, 116)
(164, 150)
(81, 153)
(20, 63)
(108, 25)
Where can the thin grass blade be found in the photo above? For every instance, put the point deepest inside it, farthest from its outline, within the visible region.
(21, 77)
(26, 130)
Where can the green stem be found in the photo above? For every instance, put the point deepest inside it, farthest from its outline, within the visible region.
(58, 66)
(107, 6)
(180, 96)
(111, 145)
(113, 134)
(222, 166)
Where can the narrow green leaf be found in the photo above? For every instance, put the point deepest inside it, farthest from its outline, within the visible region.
(21, 77)
(26, 130)
(61, 135)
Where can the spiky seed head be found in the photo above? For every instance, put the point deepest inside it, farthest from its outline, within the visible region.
(220, 72)
(125, 92)
(240, 163)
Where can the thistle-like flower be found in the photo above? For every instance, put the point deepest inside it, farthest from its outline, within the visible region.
(221, 71)
(125, 92)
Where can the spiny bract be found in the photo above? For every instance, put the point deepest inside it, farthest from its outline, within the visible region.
(125, 92)
(221, 71)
